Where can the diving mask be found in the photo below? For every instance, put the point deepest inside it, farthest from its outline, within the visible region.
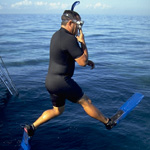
(79, 23)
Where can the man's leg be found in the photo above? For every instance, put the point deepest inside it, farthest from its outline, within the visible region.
(91, 110)
(46, 116)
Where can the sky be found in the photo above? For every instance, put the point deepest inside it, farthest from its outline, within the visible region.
(115, 7)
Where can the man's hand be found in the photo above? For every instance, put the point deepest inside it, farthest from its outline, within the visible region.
(80, 38)
(91, 63)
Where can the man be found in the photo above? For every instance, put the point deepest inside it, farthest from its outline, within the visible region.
(64, 52)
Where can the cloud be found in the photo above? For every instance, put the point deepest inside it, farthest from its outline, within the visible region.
(48, 5)
(64, 6)
(22, 3)
(58, 5)
(1, 7)
(54, 5)
(106, 6)
(98, 5)
(41, 3)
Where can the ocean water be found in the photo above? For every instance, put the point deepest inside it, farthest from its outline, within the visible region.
(120, 48)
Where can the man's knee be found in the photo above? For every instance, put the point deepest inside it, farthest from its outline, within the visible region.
(84, 100)
(58, 110)
(89, 101)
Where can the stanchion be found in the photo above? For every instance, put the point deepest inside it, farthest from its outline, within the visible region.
(6, 79)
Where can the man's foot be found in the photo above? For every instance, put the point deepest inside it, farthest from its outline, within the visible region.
(29, 129)
(110, 124)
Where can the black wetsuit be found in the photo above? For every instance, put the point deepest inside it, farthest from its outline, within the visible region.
(64, 49)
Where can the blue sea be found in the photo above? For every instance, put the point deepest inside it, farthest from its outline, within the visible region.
(120, 48)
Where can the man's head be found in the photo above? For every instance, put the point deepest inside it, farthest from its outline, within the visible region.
(69, 15)
(71, 20)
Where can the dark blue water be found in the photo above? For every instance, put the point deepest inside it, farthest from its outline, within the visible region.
(120, 48)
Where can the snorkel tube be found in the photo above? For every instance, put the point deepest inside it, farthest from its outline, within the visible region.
(74, 4)
(79, 23)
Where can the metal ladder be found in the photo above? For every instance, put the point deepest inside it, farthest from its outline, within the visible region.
(6, 79)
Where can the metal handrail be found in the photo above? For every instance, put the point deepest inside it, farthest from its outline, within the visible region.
(6, 79)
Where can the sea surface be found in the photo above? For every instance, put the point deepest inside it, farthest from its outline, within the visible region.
(120, 48)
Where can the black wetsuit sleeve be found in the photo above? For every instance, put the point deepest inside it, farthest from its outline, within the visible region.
(74, 49)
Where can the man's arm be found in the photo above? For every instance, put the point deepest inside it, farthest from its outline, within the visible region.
(83, 59)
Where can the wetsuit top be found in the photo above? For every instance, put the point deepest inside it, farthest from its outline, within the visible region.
(64, 49)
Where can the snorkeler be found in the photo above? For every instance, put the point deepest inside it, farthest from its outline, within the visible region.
(64, 52)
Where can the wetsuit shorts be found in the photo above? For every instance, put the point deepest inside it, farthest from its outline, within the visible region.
(62, 90)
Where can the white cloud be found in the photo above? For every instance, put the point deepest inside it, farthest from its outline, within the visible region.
(58, 5)
(89, 6)
(41, 3)
(22, 3)
(106, 6)
(64, 6)
(98, 5)
(48, 5)
(54, 5)
(1, 7)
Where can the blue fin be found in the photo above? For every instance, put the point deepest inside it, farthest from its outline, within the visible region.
(127, 107)
(25, 143)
